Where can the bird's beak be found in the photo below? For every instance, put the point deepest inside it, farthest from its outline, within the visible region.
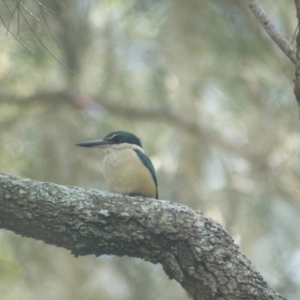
(95, 144)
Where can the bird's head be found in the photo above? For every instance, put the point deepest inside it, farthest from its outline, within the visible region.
(116, 139)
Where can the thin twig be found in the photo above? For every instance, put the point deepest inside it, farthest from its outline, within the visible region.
(45, 8)
(28, 11)
(16, 37)
(295, 33)
(297, 73)
(48, 27)
(272, 31)
(12, 16)
(44, 46)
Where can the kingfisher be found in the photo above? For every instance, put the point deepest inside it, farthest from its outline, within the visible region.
(126, 168)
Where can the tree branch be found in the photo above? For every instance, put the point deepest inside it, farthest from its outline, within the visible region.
(94, 105)
(193, 250)
(275, 35)
(38, 97)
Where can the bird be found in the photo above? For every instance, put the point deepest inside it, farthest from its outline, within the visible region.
(126, 168)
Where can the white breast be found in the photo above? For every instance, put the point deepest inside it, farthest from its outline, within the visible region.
(125, 173)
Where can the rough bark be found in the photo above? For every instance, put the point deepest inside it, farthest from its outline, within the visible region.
(194, 250)
(272, 31)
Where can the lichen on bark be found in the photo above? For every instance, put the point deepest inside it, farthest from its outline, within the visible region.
(194, 250)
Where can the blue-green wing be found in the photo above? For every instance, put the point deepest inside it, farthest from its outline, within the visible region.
(147, 162)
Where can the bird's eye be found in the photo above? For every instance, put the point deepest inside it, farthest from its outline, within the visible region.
(116, 138)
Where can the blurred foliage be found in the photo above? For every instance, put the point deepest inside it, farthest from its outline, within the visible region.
(199, 82)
